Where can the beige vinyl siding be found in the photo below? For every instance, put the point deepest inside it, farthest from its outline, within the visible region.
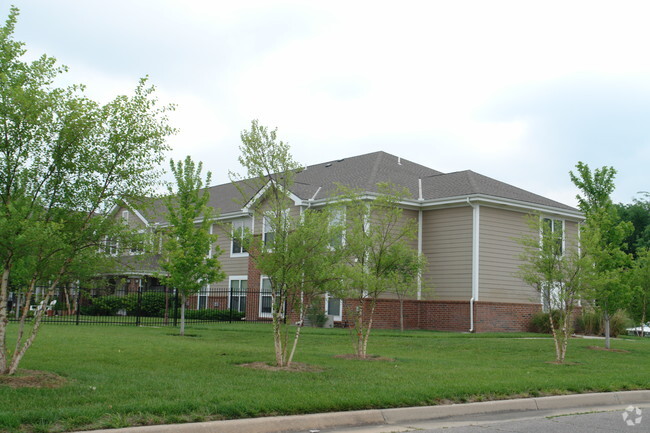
(571, 234)
(447, 246)
(134, 222)
(499, 257)
(229, 265)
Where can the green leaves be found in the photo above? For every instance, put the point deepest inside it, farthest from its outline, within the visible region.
(188, 260)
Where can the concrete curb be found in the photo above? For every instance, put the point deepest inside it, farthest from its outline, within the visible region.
(329, 420)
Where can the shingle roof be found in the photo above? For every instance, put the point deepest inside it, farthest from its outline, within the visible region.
(364, 172)
(462, 183)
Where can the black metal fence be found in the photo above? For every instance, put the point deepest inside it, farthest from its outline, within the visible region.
(152, 306)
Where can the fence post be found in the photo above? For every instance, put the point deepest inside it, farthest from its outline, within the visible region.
(78, 304)
(175, 307)
(229, 297)
(139, 305)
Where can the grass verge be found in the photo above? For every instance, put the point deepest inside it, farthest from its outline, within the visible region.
(122, 376)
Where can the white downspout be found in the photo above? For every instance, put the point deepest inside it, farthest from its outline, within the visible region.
(420, 198)
(476, 219)
(420, 253)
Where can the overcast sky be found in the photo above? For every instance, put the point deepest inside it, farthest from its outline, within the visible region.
(516, 90)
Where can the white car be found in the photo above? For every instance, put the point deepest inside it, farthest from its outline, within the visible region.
(638, 330)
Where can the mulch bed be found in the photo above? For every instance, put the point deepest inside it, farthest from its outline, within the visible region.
(367, 358)
(295, 366)
(33, 379)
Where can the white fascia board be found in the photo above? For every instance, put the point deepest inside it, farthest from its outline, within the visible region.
(222, 217)
(296, 200)
(135, 211)
(498, 201)
(462, 201)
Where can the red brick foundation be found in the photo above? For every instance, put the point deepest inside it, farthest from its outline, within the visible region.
(450, 315)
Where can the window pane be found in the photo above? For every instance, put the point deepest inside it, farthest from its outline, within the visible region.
(334, 306)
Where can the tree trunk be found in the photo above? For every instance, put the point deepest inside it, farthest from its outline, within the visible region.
(607, 333)
(182, 315)
(301, 321)
(401, 314)
(4, 320)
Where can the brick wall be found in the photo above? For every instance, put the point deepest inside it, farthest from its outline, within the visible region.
(503, 317)
(448, 315)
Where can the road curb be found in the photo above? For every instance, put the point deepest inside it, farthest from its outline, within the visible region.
(329, 420)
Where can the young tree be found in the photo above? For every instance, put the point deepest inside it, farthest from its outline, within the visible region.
(293, 252)
(188, 259)
(66, 161)
(557, 273)
(603, 238)
(405, 276)
(377, 237)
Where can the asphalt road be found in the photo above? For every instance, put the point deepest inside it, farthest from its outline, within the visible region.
(549, 422)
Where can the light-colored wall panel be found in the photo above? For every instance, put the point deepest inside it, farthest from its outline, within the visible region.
(447, 246)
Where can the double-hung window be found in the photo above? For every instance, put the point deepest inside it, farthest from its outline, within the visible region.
(334, 307)
(269, 223)
(238, 291)
(337, 228)
(553, 231)
(266, 298)
(240, 229)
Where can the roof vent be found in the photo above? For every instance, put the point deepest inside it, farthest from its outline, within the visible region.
(329, 164)
(339, 160)
(399, 160)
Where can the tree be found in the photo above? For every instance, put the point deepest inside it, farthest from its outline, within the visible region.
(408, 268)
(377, 237)
(640, 276)
(557, 273)
(603, 238)
(188, 259)
(637, 213)
(294, 250)
(66, 161)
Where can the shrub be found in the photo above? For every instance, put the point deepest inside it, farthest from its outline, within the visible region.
(152, 304)
(540, 322)
(591, 322)
(315, 315)
(215, 315)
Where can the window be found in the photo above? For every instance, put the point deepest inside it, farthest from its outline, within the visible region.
(238, 291)
(125, 216)
(550, 298)
(553, 230)
(240, 228)
(266, 298)
(138, 246)
(334, 307)
(336, 225)
(204, 293)
(268, 231)
(111, 246)
(269, 223)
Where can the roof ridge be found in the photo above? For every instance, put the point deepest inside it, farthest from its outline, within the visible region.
(472, 180)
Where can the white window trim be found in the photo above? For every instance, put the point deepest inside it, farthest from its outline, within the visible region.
(267, 315)
(269, 214)
(336, 318)
(343, 215)
(232, 235)
(546, 217)
(238, 278)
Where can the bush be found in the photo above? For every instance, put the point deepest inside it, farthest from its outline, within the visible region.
(591, 322)
(315, 315)
(215, 315)
(152, 304)
(540, 322)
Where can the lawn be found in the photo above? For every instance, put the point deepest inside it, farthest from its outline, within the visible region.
(120, 376)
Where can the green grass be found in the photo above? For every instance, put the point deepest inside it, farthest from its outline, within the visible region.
(120, 376)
